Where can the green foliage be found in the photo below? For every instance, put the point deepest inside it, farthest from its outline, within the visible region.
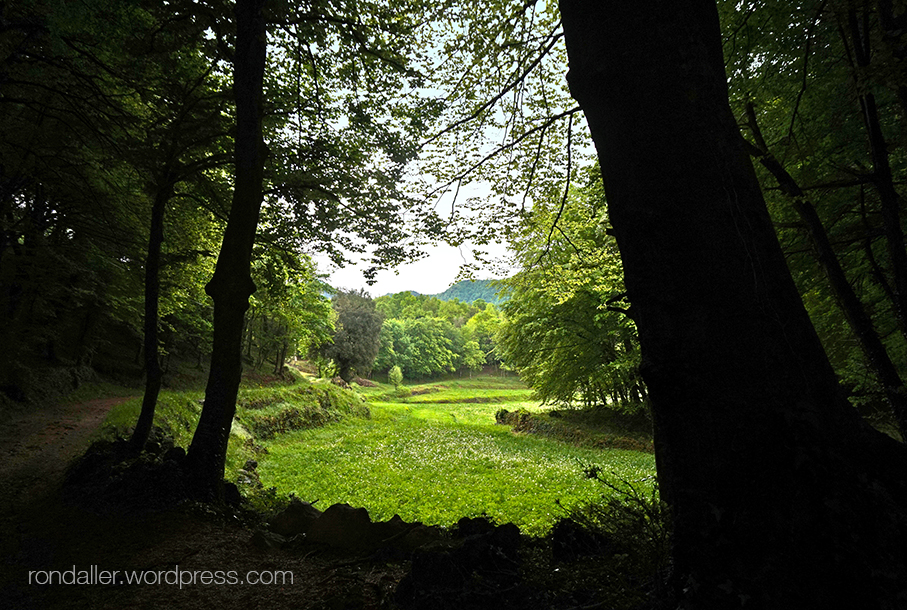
(426, 336)
(508, 119)
(395, 377)
(356, 341)
(261, 413)
(482, 329)
(809, 94)
(564, 331)
(288, 314)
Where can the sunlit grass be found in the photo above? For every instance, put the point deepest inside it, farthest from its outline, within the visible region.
(436, 462)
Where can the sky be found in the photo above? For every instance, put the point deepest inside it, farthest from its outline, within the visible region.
(432, 274)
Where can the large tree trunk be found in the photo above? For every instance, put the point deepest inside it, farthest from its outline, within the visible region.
(778, 492)
(232, 285)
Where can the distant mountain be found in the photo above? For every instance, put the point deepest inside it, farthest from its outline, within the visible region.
(470, 290)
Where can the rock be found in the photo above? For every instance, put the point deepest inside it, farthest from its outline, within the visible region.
(478, 570)
(264, 540)
(177, 454)
(295, 519)
(417, 537)
(570, 541)
(232, 497)
(472, 526)
(344, 526)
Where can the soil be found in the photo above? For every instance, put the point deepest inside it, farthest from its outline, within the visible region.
(36, 446)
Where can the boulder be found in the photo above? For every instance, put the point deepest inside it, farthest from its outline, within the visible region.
(295, 519)
(341, 525)
(265, 541)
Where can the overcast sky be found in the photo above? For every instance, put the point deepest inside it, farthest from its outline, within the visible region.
(430, 275)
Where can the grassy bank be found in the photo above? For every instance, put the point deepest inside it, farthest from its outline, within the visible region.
(262, 411)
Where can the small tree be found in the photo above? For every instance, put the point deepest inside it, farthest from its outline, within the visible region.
(395, 376)
(473, 356)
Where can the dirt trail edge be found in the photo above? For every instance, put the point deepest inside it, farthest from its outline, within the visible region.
(36, 446)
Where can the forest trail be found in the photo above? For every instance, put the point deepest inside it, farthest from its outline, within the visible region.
(37, 445)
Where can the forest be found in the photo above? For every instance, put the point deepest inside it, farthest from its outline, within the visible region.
(702, 205)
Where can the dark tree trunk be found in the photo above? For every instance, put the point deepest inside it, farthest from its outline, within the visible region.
(280, 358)
(345, 371)
(232, 285)
(882, 177)
(153, 372)
(781, 497)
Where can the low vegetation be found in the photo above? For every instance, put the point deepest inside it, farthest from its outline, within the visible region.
(435, 455)
(439, 455)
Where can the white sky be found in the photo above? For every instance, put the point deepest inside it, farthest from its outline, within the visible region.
(429, 275)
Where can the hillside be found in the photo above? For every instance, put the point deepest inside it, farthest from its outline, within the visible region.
(470, 290)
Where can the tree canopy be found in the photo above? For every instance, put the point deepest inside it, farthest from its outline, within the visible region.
(564, 330)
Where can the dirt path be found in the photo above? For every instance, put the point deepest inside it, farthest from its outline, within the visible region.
(36, 446)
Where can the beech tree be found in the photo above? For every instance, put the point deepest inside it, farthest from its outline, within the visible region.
(566, 330)
(781, 496)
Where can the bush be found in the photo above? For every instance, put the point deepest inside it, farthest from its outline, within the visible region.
(395, 376)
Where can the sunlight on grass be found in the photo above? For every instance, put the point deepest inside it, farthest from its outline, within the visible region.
(438, 462)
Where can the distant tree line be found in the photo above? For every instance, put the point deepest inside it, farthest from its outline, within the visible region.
(426, 336)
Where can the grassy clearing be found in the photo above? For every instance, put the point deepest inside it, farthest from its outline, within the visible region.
(434, 456)
(437, 456)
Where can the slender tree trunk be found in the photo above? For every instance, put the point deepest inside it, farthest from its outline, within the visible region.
(280, 358)
(761, 458)
(848, 301)
(882, 177)
(153, 373)
(232, 285)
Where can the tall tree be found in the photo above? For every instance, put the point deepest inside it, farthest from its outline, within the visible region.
(781, 496)
(565, 330)
(232, 285)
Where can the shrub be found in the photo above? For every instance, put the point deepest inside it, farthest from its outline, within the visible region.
(395, 376)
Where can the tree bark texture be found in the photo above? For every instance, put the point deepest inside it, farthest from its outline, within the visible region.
(764, 463)
(232, 285)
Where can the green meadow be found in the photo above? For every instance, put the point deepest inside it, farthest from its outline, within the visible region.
(437, 455)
